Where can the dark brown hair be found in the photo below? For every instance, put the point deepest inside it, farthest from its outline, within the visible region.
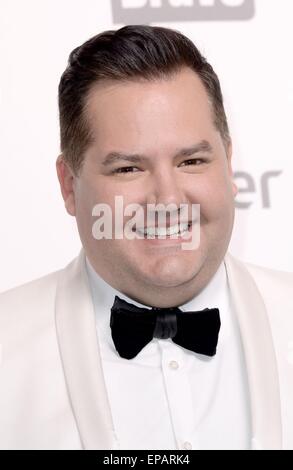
(129, 53)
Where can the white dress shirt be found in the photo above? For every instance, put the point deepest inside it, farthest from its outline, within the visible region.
(168, 397)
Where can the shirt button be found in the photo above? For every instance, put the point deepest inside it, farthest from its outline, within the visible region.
(187, 445)
(173, 365)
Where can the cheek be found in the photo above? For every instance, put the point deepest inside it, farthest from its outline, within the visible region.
(84, 206)
(87, 196)
(216, 200)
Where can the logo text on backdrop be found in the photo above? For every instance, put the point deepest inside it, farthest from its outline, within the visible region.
(148, 11)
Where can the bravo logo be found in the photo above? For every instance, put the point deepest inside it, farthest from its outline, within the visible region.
(147, 11)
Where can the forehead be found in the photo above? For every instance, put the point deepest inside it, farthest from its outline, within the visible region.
(137, 107)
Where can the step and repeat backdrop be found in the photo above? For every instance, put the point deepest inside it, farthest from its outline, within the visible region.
(248, 42)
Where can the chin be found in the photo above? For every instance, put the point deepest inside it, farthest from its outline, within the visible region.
(172, 274)
(170, 281)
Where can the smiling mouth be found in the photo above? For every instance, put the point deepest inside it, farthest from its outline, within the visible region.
(158, 232)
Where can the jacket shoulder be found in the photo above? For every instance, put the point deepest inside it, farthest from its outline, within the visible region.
(22, 305)
(275, 287)
(33, 289)
(273, 280)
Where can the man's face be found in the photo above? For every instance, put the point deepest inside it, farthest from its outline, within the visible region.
(155, 120)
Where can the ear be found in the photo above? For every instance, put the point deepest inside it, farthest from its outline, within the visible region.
(229, 151)
(66, 179)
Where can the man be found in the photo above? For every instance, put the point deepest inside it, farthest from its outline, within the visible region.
(142, 118)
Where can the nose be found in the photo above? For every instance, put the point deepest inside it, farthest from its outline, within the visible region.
(167, 188)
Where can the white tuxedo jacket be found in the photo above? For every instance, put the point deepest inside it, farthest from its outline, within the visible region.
(52, 389)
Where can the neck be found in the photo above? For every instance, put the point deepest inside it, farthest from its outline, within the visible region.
(160, 296)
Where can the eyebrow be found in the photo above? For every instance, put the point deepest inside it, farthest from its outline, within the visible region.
(113, 157)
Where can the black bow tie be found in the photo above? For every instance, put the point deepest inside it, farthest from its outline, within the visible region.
(134, 327)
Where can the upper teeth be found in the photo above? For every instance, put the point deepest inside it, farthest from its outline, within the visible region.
(163, 231)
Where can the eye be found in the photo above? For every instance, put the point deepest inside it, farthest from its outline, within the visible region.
(193, 161)
(124, 169)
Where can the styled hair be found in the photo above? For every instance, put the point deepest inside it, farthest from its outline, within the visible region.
(132, 52)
